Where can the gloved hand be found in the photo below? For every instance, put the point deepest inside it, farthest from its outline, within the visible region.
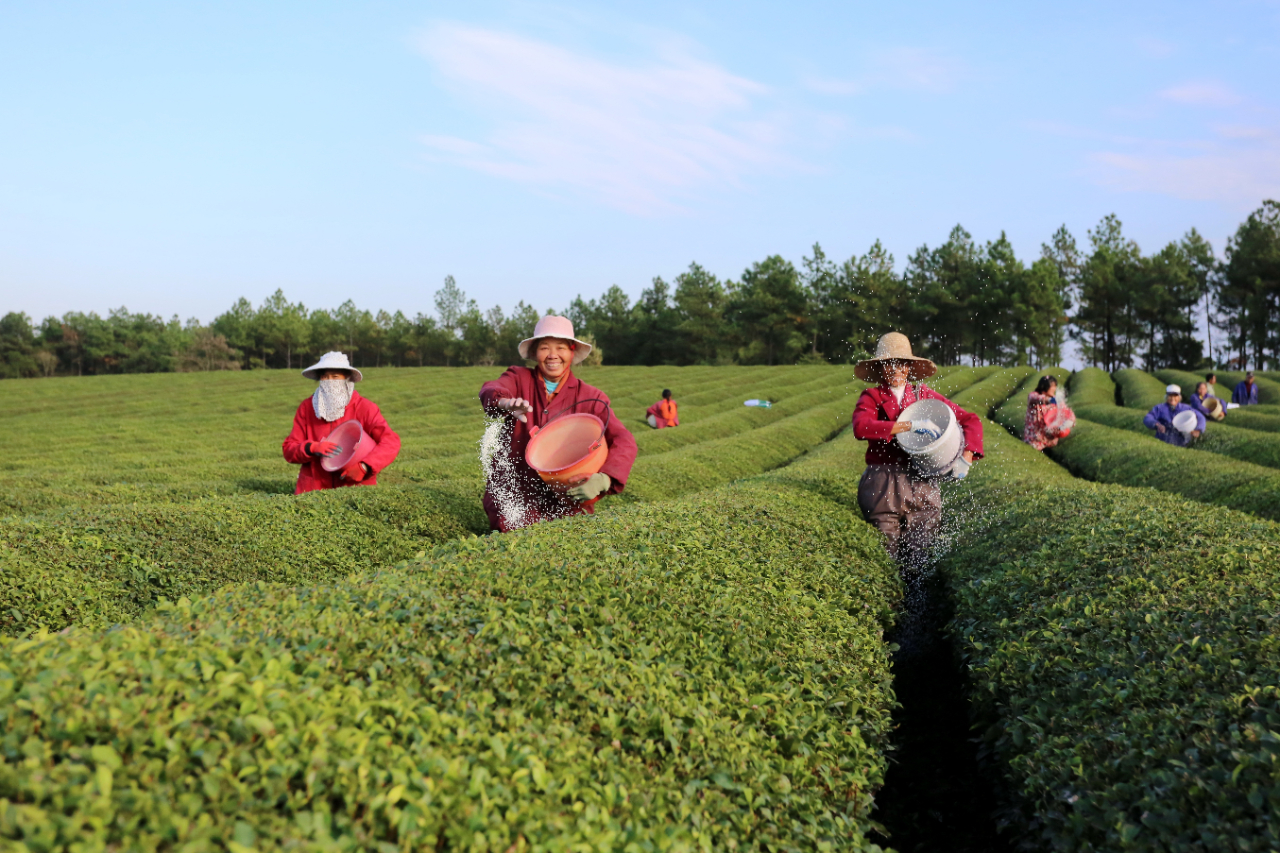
(323, 448)
(933, 434)
(355, 472)
(592, 487)
(517, 406)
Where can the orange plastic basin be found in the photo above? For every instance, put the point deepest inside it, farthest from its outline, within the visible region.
(567, 450)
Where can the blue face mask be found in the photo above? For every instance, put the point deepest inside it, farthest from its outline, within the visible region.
(551, 386)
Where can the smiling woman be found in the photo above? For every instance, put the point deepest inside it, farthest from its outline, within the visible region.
(528, 399)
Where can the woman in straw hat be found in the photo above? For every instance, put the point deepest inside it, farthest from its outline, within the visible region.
(334, 402)
(515, 496)
(903, 506)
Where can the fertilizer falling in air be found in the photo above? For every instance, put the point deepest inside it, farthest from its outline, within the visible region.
(500, 473)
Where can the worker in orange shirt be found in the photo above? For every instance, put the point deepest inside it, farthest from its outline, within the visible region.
(663, 413)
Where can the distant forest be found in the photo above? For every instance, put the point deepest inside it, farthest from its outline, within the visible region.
(961, 302)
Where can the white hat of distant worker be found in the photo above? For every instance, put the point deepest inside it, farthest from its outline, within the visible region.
(553, 326)
(332, 361)
(1173, 389)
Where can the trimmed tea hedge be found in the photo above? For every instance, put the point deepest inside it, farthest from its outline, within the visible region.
(704, 674)
(1268, 389)
(1265, 419)
(1122, 648)
(101, 566)
(1139, 390)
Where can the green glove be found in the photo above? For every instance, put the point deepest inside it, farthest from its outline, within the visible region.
(592, 487)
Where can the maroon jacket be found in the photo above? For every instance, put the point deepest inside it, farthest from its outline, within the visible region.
(877, 410)
(541, 501)
(307, 427)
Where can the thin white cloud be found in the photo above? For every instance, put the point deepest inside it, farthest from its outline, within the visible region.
(903, 68)
(640, 137)
(1236, 170)
(1202, 94)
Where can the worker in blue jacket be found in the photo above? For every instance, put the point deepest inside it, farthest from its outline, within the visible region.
(1246, 393)
(1161, 416)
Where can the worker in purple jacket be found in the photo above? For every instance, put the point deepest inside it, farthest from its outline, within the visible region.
(1161, 416)
(1246, 393)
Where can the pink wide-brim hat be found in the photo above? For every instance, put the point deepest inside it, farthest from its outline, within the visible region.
(553, 326)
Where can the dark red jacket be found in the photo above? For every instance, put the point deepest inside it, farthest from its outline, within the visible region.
(308, 427)
(540, 500)
(877, 410)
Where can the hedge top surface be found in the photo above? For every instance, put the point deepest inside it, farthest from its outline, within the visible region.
(649, 680)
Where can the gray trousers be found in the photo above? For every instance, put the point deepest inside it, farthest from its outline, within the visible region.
(905, 509)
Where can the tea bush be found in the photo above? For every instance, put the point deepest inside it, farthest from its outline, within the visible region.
(701, 674)
(1122, 648)
(1249, 417)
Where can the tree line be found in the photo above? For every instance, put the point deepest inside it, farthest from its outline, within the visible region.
(960, 302)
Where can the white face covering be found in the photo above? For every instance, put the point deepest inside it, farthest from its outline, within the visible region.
(331, 398)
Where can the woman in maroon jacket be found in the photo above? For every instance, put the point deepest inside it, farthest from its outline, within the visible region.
(515, 496)
(902, 506)
(335, 402)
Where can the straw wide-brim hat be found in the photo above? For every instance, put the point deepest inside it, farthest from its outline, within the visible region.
(333, 361)
(895, 347)
(553, 326)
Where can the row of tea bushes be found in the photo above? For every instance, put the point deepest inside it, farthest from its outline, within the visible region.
(103, 565)
(1122, 651)
(700, 674)
(1109, 455)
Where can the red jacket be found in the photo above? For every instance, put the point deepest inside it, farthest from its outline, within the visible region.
(665, 413)
(307, 427)
(877, 410)
(538, 498)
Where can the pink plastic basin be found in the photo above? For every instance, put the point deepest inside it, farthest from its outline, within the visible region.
(354, 441)
(568, 449)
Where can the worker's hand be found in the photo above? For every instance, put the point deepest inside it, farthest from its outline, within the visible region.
(1160, 428)
(592, 487)
(355, 472)
(968, 456)
(324, 448)
(1195, 433)
(517, 406)
(900, 426)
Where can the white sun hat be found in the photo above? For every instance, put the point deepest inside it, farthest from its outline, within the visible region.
(554, 326)
(332, 361)
(1173, 389)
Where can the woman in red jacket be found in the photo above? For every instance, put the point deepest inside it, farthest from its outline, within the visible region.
(515, 496)
(335, 402)
(903, 506)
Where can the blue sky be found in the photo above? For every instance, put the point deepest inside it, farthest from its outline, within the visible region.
(171, 157)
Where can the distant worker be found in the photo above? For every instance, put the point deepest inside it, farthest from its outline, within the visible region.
(663, 413)
(1205, 403)
(1047, 422)
(515, 495)
(1215, 389)
(1162, 415)
(903, 506)
(335, 402)
(1246, 393)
